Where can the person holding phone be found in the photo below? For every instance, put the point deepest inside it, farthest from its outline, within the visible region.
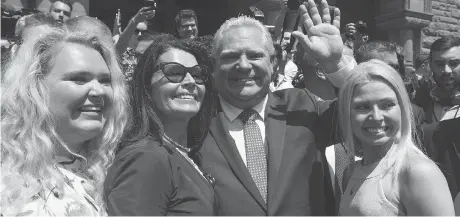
(129, 39)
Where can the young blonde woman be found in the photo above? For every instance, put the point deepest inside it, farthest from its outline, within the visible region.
(60, 125)
(394, 177)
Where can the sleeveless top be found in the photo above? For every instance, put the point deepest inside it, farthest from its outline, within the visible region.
(364, 195)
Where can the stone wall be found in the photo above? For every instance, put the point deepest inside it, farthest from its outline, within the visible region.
(446, 22)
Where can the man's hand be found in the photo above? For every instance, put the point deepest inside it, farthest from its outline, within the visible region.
(143, 14)
(322, 41)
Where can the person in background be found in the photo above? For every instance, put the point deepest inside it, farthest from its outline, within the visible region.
(153, 173)
(63, 110)
(27, 26)
(422, 77)
(445, 95)
(446, 139)
(128, 38)
(186, 24)
(280, 80)
(61, 10)
(128, 41)
(206, 40)
(394, 176)
(422, 67)
(441, 100)
(91, 26)
(285, 129)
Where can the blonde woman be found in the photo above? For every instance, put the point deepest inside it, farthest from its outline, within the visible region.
(63, 112)
(394, 177)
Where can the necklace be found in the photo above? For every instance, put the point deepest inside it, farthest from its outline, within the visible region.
(184, 152)
(175, 144)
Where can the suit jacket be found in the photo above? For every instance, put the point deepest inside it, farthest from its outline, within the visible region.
(298, 128)
(150, 178)
(446, 138)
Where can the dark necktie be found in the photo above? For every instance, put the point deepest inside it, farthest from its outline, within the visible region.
(256, 156)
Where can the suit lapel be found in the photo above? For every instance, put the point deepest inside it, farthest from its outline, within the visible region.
(275, 127)
(228, 148)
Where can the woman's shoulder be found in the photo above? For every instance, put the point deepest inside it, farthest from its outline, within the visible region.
(147, 146)
(417, 167)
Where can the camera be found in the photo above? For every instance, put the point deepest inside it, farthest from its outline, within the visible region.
(151, 4)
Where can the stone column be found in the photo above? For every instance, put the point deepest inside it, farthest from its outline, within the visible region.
(403, 21)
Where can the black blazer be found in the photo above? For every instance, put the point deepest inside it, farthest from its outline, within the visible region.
(148, 178)
(298, 128)
(446, 138)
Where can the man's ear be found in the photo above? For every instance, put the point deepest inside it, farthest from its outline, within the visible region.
(213, 67)
(273, 61)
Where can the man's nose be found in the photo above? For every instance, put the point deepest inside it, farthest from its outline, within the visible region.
(447, 68)
(243, 63)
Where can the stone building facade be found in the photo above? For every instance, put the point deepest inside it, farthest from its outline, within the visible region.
(413, 24)
(445, 22)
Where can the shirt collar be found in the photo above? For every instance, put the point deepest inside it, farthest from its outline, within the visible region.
(232, 112)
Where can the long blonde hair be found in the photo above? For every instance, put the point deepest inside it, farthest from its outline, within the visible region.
(376, 70)
(29, 140)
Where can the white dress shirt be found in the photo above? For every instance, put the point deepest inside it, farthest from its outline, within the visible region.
(235, 126)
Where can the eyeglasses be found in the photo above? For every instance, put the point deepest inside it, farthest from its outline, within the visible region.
(176, 72)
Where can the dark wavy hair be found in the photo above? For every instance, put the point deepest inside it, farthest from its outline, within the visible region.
(144, 118)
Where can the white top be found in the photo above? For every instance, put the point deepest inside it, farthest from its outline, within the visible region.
(290, 71)
(234, 125)
(365, 194)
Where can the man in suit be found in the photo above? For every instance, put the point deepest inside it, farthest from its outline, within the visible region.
(266, 150)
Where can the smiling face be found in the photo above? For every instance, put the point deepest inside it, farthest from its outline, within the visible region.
(375, 114)
(176, 100)
(243, 67)
(187, 28)
(80, 92)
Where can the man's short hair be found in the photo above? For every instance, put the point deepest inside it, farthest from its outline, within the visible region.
(444, 43)
(67, 2)
(185, 14)
(90, 24)
(243, 21)
(419, 60)
(32, 20)
(362, 53)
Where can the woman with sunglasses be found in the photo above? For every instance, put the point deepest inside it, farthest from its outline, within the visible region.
(153, 172)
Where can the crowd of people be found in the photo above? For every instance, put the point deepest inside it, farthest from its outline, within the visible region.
(98, 122)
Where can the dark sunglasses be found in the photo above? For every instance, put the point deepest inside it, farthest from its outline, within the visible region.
(176, 72)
